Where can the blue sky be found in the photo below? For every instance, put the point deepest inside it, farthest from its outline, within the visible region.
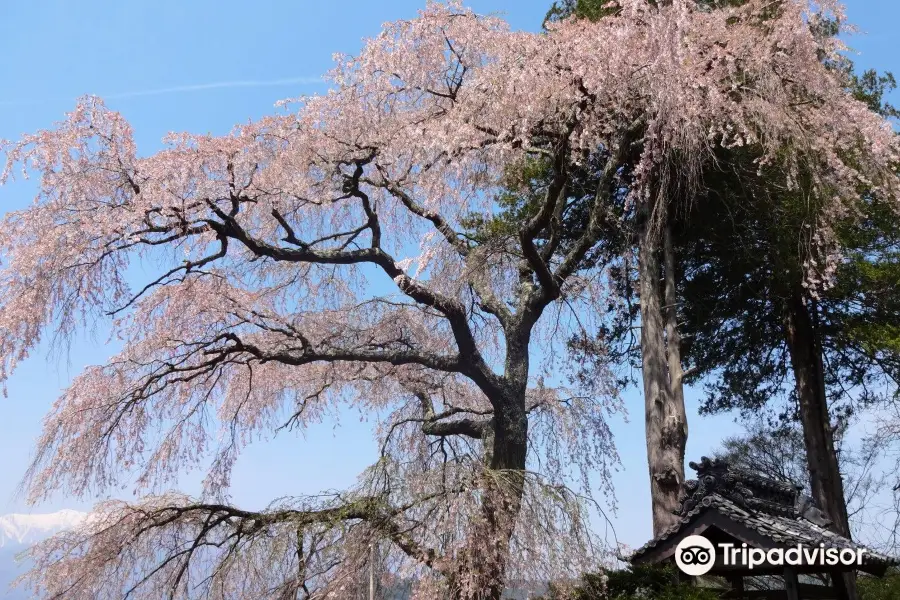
(204, 66)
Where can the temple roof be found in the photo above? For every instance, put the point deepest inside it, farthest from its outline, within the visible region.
(772, 513)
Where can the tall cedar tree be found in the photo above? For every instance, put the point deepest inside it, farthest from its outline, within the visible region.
(748, 323)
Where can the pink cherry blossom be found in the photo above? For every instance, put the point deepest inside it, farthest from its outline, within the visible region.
(318, 257)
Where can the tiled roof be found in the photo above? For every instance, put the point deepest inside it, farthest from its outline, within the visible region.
(775, 510)
(783, 531)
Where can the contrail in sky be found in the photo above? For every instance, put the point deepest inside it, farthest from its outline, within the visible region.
(180, 89)
(218, 85)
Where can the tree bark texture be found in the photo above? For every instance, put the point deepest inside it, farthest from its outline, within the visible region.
(665, 418)
(481, 573)
(804, 346)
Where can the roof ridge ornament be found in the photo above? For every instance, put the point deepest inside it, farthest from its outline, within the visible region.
(749, 491)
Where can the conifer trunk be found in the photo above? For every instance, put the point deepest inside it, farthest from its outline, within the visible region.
(673, 337)
(665, 418)
(827, 486)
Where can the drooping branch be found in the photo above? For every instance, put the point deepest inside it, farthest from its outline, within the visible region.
(215, 546)
(186, 268)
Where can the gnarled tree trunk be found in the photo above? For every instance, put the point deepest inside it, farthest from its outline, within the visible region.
(481, 573)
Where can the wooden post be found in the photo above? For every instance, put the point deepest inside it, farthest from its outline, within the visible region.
(842, 584)
(791, 584)
(737, 585)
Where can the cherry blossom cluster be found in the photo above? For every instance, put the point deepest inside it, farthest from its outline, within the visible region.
(322, 256)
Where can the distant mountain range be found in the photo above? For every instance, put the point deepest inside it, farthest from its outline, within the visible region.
(24, 530)
(18, 532)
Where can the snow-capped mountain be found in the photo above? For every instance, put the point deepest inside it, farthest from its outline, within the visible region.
(24, 529)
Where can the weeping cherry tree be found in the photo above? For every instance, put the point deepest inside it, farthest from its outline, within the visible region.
(319, 258)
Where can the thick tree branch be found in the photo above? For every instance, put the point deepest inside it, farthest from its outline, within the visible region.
(229, 528)
(488, 300)
(470, 362)
(307, 355)
(554, 196)
(434, 424)
(441, 224)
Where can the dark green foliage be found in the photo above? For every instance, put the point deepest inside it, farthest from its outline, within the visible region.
(634, 583)
(744, 248)
(524, 186)
(875, 588)
(730, 314)
(867, 296)
(582, 9)
(661, 583)
(594, 10)
(870, 87)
